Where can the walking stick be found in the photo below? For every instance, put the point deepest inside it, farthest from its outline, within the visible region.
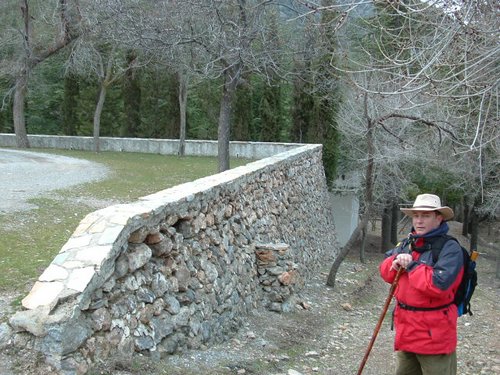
(380, 320)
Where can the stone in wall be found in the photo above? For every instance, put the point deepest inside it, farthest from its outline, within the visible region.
(279, 276)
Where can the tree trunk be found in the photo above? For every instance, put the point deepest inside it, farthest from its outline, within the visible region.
(465, 223)
(183, 92)
(106, 81)
(370, 150)
(225, 121)
(386, 228)
(362, 249)
(21, 87)
(497, 273)
(474, 230)
(97, 117)
(394, 222)
(332, 275)
(459, 212)
(29, 63)
(18, 111)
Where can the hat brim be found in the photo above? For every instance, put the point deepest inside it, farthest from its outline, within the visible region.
(446, 212)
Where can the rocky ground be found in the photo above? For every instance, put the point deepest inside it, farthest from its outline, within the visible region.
(328, 333)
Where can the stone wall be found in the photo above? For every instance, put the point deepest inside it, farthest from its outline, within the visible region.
(181, 268)
(237, 149)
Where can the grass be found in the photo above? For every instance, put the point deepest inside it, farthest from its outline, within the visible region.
(31, 239)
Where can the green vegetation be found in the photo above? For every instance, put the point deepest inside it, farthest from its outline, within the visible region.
(31, 239)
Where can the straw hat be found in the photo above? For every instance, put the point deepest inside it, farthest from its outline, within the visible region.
(429, 202)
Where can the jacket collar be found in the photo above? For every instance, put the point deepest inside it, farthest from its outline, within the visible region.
(439, 231)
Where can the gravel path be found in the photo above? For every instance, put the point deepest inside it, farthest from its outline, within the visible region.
(28, 174)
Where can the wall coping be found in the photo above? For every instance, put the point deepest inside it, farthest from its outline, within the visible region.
(241, 149)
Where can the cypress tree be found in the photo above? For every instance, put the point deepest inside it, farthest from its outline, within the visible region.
(302, 86)
(324, 128)
(270, 114)
(302, 105)
(270, 109)
(131, 98)
(159, 104)
(70, 124)
(242, 117)
(173, 120)
(6, 122)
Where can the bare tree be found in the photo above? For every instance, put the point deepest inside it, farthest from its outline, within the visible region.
(229, 40)
(441, 58)
(233, 27)
(427, 77)
(166, 34)
(105, 63)
(43, 29)
(217, 40)
(163, 34)
(99, 54)
(382, 141)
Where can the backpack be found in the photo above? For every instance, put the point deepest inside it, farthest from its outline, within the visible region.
(469, 279)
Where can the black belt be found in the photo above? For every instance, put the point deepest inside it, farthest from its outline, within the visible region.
(414, 308)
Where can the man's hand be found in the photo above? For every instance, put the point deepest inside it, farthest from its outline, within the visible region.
(401, 260)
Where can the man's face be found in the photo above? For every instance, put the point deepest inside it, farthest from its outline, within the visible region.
(425, 221)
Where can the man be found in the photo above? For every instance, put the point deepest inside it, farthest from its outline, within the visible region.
(425, 316)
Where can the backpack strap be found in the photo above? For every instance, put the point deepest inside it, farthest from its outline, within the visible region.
(437, 244)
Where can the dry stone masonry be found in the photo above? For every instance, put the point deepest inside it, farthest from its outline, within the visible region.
(279, 276)
(181, 268)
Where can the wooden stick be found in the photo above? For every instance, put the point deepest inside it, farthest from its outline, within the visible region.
(380, 320)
